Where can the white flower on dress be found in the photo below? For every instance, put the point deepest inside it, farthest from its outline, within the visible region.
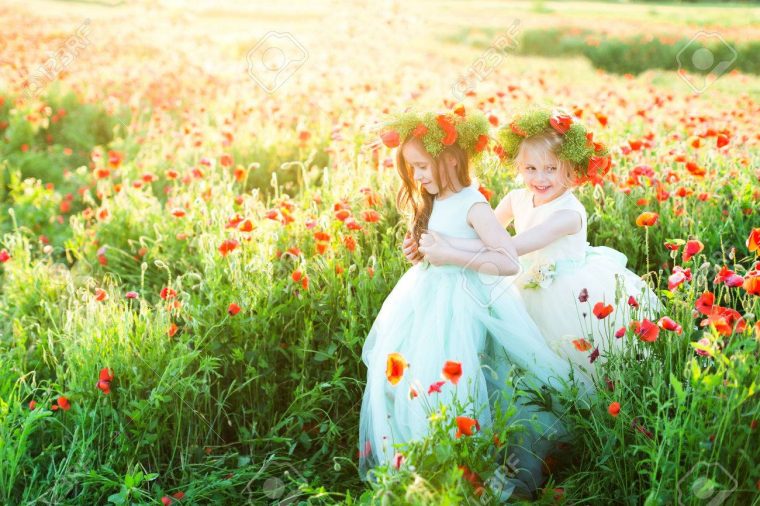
(541, 275)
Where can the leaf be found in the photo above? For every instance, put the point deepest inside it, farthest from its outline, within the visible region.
(695, 371)
(712, 380)
(751, 390)
(678, 387)
(119, 498)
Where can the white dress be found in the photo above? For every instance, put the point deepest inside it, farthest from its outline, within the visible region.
(553, 280)
(439, 313)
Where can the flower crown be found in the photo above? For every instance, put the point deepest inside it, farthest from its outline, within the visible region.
(438, 130)
(591, 160)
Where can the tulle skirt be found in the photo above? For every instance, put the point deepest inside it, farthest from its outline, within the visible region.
(447, 313)
(558, 308)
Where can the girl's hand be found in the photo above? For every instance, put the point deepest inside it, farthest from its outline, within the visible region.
(435, 248)
(409, 247)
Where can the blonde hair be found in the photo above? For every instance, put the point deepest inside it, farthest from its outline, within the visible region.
(549, 141)
(412, 196)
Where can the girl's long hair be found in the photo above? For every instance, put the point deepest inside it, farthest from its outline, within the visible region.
(413, 196)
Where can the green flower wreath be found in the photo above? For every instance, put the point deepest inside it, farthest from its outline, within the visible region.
(438, 130)
(590, 159)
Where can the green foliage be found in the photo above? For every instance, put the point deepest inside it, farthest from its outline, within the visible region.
(576, 147)
(469, 129)
(632, 55)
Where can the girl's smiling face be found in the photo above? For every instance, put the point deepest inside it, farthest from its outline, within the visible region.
(543, 173)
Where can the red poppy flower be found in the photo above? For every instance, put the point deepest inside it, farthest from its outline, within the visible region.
(106, 374)
(692, 248)
(695, 169)
(561, 122)
(647, 219)
(645, 330)
(172, 329)
(32, 404)
(342, 214)
(666, 323)
(719, 322)
(473, 478)
(227, 246)
(352, 224)
(100, 294)
(704, 303)
(581, 344)
(614, 408)
(620, 332)
(459, 111)
(246, 226)
(516, 129)
(104, 386)
(593, 355)
(729, 278)
(233, 309)
(4, 256)
(482, 143)
(597, 165)
(168, 293)
(583, 296)
(602, 311)
(450, 131)
(371, 216)
(465, 426)
(64, 403)
(420, 130)
(633, 302)
(394, 368)
(753, 242)
(390, 138)
(752, 282)
(485, 192)
(114, 159)
(679, 276)
(721, 140)
(436, 387)
(349, 242)
(398, 460)
(452, 371)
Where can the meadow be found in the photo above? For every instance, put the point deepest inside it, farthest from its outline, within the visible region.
(193, 249)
